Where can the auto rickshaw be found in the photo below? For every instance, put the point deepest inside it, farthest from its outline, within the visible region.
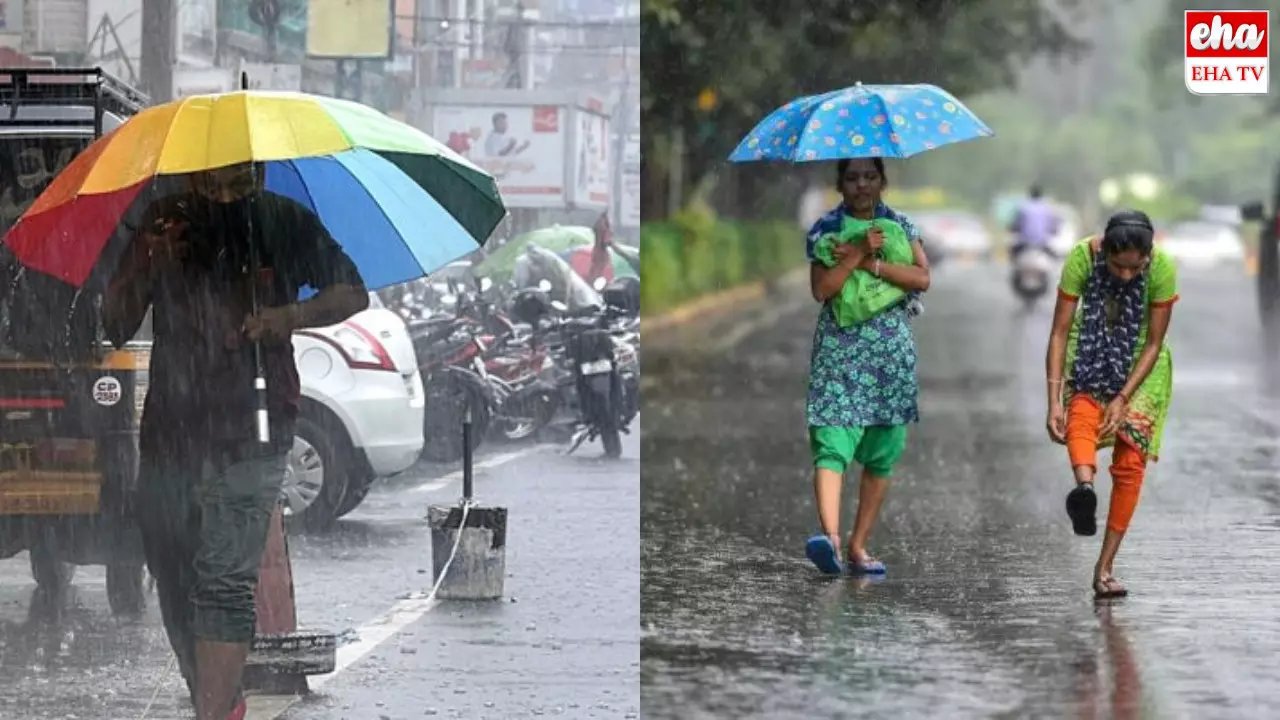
(70, 405)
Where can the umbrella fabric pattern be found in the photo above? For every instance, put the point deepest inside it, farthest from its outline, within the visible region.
(400, 203)
(893, 121)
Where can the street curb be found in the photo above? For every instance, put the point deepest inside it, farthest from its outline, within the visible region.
(715, 303)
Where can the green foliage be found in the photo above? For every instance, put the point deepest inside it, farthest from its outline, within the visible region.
(683, 260)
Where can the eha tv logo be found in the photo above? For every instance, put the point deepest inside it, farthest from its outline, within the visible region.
(1227, 52)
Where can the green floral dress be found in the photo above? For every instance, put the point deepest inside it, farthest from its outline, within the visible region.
(863, 375)
(1149, 406)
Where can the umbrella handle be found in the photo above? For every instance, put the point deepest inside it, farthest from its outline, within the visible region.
(264, 428)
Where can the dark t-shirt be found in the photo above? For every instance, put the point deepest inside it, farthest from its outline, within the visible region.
(202, 366)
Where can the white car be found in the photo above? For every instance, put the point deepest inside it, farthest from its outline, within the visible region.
(361, 413)
(954, 233)
(1202, 244)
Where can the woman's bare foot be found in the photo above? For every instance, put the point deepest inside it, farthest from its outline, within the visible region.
(861, 561)
(1105, 585)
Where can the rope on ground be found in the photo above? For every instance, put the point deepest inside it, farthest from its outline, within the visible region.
(444, 572)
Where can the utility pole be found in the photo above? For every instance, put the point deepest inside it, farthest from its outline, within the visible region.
(159, 29)
(266, 14)
(514, 46)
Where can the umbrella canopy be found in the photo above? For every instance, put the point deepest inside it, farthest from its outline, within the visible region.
(894, 121)
(400, 203)
(557, 238)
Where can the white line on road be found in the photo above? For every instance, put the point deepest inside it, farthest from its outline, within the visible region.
(377, 631)
(445, 481)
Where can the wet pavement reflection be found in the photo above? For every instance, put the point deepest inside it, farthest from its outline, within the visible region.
(986, 610)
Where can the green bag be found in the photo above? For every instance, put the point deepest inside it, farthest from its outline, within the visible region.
(864, 295)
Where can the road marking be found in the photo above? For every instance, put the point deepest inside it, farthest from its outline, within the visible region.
(445, 481)
(377, 631)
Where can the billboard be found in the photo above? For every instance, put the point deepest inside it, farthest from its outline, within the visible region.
(350, 28)
(591, 179)
(523, 147)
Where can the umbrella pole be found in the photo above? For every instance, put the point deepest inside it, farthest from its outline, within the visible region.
(259, 379)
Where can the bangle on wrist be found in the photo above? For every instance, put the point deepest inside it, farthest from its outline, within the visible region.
(876, 270)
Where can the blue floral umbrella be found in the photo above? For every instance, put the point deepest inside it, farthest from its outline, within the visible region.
(894, 121)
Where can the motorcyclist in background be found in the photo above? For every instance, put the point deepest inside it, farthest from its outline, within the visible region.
(1035, 224)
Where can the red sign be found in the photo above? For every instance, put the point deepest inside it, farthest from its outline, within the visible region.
(546, 119)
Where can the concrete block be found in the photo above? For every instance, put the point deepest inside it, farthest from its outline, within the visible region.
(478, 569)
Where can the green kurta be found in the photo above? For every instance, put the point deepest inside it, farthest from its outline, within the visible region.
(1149, 406)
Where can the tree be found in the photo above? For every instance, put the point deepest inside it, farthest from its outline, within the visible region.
(757, 54)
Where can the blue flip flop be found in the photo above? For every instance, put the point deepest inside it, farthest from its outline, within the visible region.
(822, 553)
(871, 567)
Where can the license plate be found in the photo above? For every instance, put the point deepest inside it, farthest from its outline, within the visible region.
(596, 367)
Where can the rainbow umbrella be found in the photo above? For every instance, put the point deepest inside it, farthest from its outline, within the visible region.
(400, 203)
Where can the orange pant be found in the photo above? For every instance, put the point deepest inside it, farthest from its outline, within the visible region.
(1128, 466)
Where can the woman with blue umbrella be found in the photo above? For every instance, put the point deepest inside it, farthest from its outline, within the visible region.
(862, 377)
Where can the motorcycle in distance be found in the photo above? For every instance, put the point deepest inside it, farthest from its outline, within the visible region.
(1034, 270)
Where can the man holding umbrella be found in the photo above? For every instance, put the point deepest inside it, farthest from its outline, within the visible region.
(170, 222)
(220, 266)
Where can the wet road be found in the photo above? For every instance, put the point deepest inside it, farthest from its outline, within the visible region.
(986, 610)
(563, 642)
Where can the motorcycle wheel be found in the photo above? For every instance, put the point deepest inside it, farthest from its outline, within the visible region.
(609, 432)
(612, 442)
(446, 406)
(539, 410)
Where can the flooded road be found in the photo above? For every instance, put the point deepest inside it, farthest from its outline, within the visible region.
(563, 642)
(986, 610)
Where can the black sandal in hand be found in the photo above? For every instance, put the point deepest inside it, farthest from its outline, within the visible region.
(1082, 508)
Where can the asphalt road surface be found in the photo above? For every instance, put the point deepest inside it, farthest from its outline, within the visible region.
(986, 610)
(563, 642)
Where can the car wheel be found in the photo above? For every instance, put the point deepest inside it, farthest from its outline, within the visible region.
(357, 490)
(315, 479)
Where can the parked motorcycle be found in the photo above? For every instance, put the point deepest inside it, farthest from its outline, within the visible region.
(600, 369)
(450, 356)
(475, 358)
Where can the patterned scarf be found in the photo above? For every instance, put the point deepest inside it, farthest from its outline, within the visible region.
(1104, 353)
